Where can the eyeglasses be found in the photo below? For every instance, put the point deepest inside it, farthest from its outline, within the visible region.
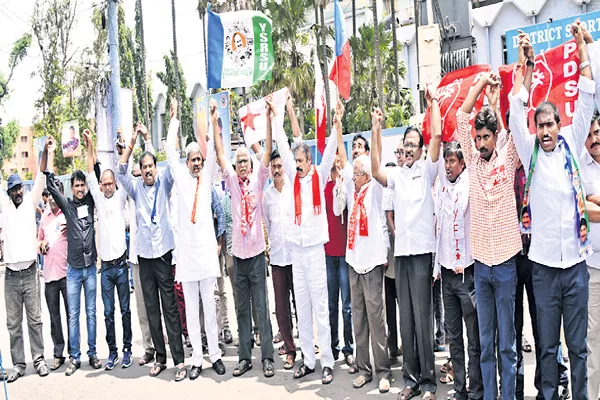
(411, 146)
(357, 174)
(399, 152)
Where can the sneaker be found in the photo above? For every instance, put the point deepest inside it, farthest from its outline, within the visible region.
(113, 359)
(72, 367)
(127, 360)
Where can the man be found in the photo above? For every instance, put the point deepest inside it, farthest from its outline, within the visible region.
(413, 248)
(81, 257)
(248, 248)
(590, 168)
(454, 265)
(110, 205)
(308, 232)
(277, 201)
(554, 198)
(366, 252)
(360, 146)
(21, 283)
(52, 243)
(155, 245)
(197, 264)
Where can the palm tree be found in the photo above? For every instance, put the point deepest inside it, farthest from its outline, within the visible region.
(324, 63)
(396, 79)
(143, 61)
(379, 74)
(354, 35)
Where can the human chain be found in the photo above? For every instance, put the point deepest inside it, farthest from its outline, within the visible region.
(473, 222)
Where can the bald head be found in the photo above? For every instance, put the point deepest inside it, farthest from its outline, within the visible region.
(243, 164)
(107, 183)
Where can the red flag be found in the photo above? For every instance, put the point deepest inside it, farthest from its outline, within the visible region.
(555, 78)
(340, 72)
(320, 107)
(452, 92)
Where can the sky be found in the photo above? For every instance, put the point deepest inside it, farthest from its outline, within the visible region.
(14, 21)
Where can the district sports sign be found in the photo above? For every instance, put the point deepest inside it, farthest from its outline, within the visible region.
(548, 34)
(555, 78)
(240, 49)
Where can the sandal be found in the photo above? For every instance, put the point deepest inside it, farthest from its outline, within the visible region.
(408, 393)
(327, 376)
(303, 371)
(289, 363)
(157, 369)
(181, 373)
(282, 351)
(428, 396)
(278, 338)
(526, 346)
(353, 369)
(447, 367)
(447, 378)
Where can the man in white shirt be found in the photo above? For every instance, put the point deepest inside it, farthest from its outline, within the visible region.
(197, 256)
(308, 232)
(454, 266)
(366, 253)
(110, 208)
(555, 203)
(413, 248)
(277, 202)
(21, 282)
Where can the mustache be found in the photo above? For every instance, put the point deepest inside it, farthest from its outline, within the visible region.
(595, 144)
(277, 174)
(546, 137)
(299, 169)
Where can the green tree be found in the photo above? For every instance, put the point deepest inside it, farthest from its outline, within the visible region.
(142, 87)
(378, 69)
(18, 52)
(8, 137)
(168, 79)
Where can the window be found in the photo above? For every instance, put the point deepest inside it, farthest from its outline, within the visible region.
(24, 170)
(23, 139)
(24, 154)
(504, 51)
(14, 155)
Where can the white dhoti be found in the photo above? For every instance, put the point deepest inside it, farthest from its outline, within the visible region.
(310, 288)
(192, 292)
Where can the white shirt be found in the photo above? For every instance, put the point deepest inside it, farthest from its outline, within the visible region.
(276, 213)
(369, 251)
(313, 229)
(590, 173)
(554, 241)
(111, 220)
(196, 243)
(18, 226)
(130, 212)
(445, 257)
(413, 207)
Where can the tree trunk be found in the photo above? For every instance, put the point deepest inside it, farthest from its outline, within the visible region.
(176, 73)
(354, 35)
(324, 64)
(395, 44)
(378, 72)
(205, 48)
(143, 49)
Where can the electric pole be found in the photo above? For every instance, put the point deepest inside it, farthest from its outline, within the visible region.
(115, 67)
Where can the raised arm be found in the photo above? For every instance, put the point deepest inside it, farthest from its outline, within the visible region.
(337, 123)
(431, 96)
(379, 173)
(129, 149)
(171, 143)
(289, 106)
(289, 162)
(328, 156)
(342, 191)
(221, 158)
(59, 198)
(271, 114)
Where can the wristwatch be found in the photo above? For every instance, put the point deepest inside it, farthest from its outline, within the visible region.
(530, 63)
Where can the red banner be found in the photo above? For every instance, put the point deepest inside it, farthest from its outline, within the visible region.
(452, 92)
(555, 79)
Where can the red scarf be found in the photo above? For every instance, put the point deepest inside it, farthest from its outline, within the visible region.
(316, 196)
(247, 217)
(363, 226)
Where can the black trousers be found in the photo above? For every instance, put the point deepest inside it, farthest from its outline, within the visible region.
(157, 276)
(52, 292)
(391, 299)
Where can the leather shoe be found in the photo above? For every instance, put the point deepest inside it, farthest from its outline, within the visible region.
(195, 372)
(219, 367)
(14, 375)
(42, 369)
(227, 337)
(242, 367)
(268, 368)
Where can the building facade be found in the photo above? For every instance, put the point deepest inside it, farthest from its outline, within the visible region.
(23, 159)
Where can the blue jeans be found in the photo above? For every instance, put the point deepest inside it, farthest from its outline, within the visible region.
(116, 276)
(495, 289)
(76, 279)
(338, 280)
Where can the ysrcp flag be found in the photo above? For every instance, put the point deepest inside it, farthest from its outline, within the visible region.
(240, 49)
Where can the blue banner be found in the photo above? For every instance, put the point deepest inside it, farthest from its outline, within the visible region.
(549, 34)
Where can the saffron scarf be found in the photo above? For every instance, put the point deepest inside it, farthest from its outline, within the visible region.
(316, 196)
(572, 170)
(247, 217)
(363, 223)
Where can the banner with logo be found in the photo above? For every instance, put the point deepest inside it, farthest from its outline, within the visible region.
(552, 33)
(452, 92)
(240, 49)
(253, 117)
(555, 79)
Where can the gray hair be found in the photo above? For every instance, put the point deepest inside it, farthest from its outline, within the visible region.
(304, 148)
(193, 147)
(365, 164)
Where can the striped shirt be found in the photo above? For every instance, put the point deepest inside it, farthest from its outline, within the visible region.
(495, 234)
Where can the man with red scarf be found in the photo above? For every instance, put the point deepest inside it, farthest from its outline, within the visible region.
(308, 232)
(248, 247)
(366, 253)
